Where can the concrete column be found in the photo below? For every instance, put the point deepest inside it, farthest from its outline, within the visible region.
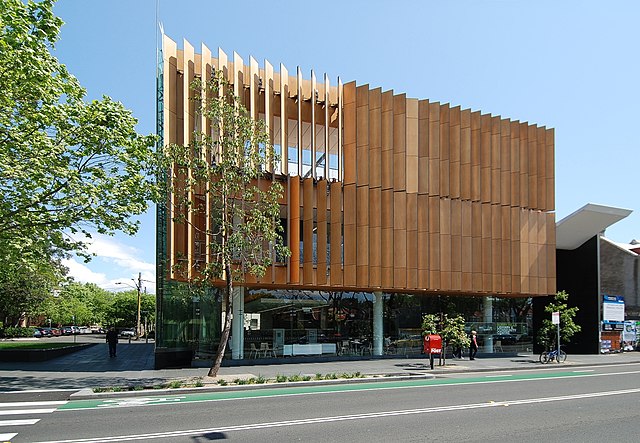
(378, 333)
(488, 318)
(237, 324)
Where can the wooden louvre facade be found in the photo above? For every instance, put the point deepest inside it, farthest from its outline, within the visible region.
(397, 194)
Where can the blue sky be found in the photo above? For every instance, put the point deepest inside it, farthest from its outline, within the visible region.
(570, 65)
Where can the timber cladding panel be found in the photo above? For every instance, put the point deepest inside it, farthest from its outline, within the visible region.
(386, 193)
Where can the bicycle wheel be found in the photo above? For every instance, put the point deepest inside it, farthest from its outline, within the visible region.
(544, 357)
(561, 357)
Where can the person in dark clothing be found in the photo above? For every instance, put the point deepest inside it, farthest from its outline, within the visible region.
(473, 347)
(112, 339)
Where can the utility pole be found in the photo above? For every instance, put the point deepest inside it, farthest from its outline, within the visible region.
(139, 288)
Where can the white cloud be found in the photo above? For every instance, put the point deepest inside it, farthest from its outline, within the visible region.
(81, 272)
(114, 266)
(122, 255)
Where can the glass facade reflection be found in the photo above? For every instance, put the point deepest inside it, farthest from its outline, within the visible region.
(290, 323)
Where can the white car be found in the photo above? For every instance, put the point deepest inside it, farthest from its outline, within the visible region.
(128, 332)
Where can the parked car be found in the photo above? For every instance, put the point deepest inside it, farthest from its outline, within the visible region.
(37, 333)
(70, 330)
(45, 332)
(84, 330)
(129, 332)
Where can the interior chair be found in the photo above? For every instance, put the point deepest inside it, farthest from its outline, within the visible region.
(266, 350)
(253, 351)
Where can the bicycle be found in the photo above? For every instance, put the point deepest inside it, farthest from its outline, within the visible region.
(548, 356)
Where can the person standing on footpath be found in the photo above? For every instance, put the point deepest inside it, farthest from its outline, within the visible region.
(112, 339)
(473, 347)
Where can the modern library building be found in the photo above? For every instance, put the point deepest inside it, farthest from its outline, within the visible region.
(393, 207)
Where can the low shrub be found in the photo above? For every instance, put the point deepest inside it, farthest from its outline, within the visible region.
(295, 377)
(11, 332)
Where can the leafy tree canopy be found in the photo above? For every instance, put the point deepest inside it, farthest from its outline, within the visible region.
(547, 335)
(66, 165)
(449, 327)
(27, 283)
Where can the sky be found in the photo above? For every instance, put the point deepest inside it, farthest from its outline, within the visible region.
(570, 65)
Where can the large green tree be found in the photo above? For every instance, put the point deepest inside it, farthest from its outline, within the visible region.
(67, 165)
(79, 303)
(223, 167)
(26, 284)
(124, 308)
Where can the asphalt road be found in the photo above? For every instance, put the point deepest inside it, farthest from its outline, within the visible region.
(586, 404)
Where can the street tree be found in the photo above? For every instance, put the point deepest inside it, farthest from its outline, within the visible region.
(82, 303)
(449, 327)
(122, 312)
(68, 167)
(27, 283)
(548, 333)
(224, 166)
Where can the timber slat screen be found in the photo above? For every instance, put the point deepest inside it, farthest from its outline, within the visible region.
(384, 192)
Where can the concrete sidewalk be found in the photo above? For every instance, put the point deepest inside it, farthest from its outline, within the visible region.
(92, 368)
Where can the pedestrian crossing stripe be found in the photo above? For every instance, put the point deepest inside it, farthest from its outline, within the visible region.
(23, 422)
(17, 404)
(6, 438)
(25, 411)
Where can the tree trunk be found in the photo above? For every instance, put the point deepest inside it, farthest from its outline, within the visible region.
(224, 338)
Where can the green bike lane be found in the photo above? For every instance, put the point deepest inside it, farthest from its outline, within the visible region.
(305, 388)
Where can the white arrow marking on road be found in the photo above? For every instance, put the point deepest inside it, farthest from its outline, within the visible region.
(29, 421)
(139, 401)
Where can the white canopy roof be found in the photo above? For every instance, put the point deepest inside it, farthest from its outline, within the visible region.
(588, 221)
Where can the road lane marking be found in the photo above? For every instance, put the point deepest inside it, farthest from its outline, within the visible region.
(342, 418)
(26, 411)
(506, 375)
(26, 421)
(7, 437)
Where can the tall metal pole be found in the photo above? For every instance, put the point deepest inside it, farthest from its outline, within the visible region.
(558, 354)
(138, 287)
